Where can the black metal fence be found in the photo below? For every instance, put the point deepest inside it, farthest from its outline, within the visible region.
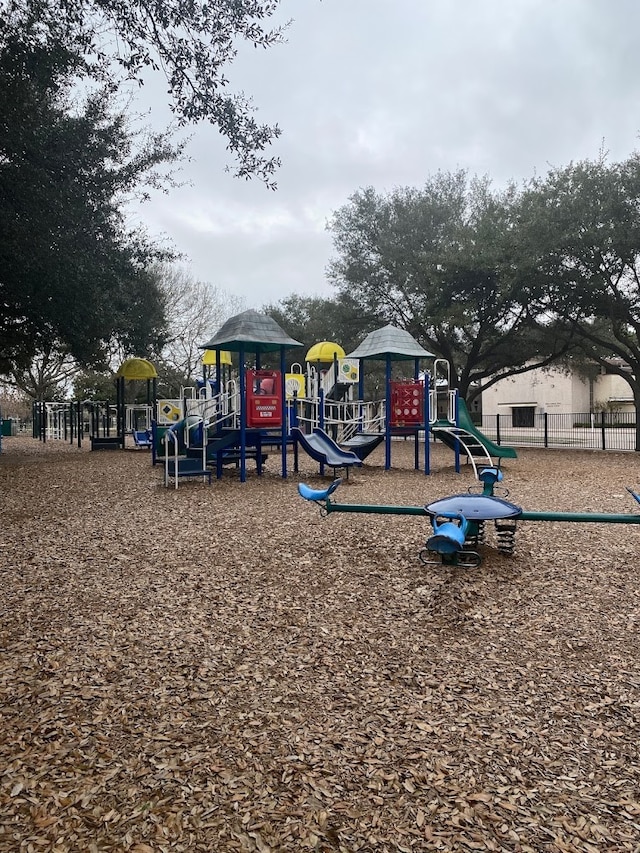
(597, 431)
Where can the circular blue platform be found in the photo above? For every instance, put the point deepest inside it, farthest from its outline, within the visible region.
(475, 507)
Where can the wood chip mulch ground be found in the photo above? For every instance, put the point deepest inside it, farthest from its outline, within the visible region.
(222, 669)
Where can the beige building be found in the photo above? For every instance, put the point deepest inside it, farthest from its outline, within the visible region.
(555, 390)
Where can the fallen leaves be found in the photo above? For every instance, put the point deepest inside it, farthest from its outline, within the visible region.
(177, 675)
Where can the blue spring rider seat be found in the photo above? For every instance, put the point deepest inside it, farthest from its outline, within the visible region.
(448, 540)
(449, 535)
(318, 495)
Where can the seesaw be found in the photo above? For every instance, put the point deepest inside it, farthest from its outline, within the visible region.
(458, 521)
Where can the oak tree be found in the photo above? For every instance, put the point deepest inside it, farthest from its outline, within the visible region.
(579, 229)
(191, 43)
(440, 262)
(72, 273)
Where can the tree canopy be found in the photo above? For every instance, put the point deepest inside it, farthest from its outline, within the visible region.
(311, 319)
(579, 228)
(46, 378)
(72, 274)
(193, 43)
(440, 262)
(74, 277)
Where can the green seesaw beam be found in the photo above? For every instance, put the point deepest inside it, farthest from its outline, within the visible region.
(525, 515)
(375, 509)
(468, 513)
(323, 498)
(598, 517)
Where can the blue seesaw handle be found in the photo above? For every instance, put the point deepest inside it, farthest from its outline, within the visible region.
(310, 494)
(490, 475)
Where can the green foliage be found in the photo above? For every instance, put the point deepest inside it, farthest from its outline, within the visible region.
(440, 262)
(340, 320)
(171, 380)
(192, 43)
(72, 274)
(580, 229)
(313, 319)
(94, 385)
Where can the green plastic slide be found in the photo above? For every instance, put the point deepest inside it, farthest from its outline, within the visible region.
(500, 451)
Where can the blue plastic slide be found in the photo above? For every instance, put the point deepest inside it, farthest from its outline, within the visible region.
(363, 443)
(323, 449)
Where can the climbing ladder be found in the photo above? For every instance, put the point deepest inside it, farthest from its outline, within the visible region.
(443, 426)
(176, 466)
(451, 435)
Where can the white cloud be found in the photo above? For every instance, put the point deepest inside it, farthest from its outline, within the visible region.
(221, 220)
(373, 92)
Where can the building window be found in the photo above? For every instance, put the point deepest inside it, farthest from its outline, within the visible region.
(523, 416)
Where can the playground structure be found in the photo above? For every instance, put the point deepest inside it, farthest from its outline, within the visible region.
(418, 407)
(321, 410)
(95, 420)
(234, 420)
(233, 415)
(459, 521)
(105, 423)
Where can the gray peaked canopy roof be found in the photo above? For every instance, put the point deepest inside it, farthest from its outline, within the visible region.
(390, 341)
(251, 332)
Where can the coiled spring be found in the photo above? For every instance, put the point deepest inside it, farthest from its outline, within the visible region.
(475, 535)
(506, 535)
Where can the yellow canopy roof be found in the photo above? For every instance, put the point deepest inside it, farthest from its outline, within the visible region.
(137, 368)
(324, 352)
(209, 357)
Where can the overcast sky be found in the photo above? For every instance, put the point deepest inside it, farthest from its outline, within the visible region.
(384, 93)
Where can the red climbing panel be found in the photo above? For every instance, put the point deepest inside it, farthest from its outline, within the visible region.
(407, 404)
(264, 398)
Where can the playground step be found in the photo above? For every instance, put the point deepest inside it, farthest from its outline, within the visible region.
(230, 456)
(106, 442)
(186, 468)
